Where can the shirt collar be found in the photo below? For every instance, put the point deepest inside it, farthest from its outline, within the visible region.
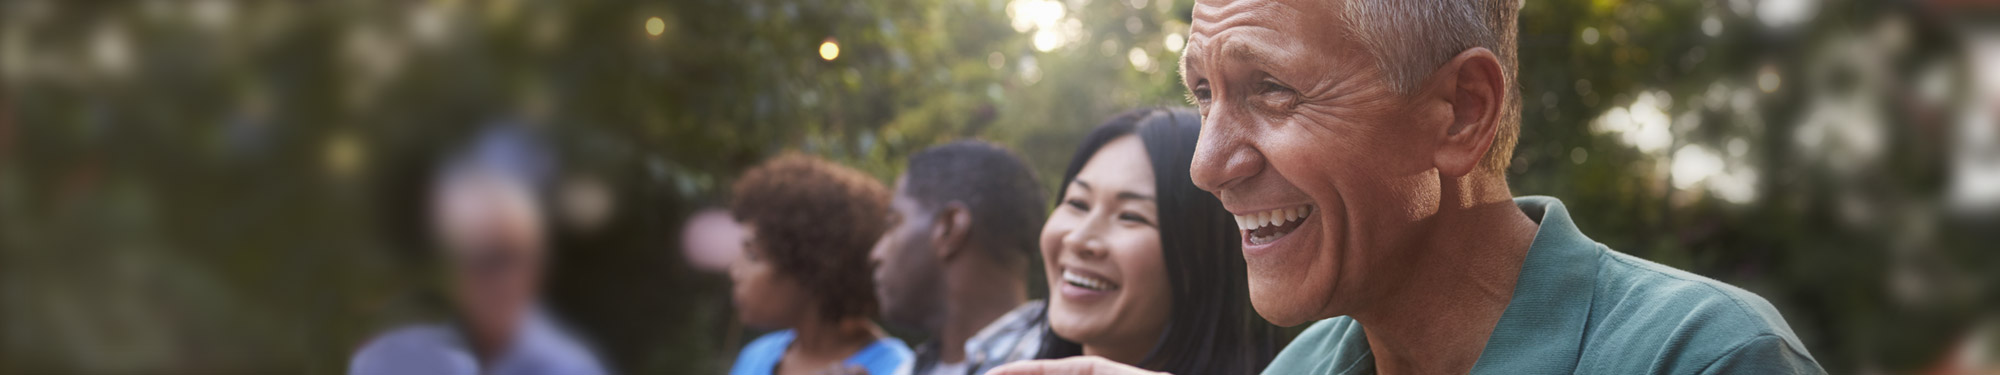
(1542, 330)
(1013, 336)
(1001, 340)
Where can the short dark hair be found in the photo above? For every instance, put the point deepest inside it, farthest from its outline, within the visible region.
(1002, 193)
(1212, 328)
(816, 221)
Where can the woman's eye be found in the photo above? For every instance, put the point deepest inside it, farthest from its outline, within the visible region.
(1077, 204)
(1132, 217)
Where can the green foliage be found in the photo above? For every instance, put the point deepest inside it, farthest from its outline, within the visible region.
(221, 187)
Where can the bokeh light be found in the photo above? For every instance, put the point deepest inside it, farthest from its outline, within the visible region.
(1767, 79)
(829, 49)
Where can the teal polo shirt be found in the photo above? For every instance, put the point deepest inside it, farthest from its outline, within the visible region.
(1580, 307)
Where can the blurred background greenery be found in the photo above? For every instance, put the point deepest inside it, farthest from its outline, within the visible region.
(214, 186)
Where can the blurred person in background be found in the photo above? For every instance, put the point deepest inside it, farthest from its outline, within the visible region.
(1143, 266)
(1376, 198)
(954, 263)
(486, 213)
(711, 240)
(808, 225)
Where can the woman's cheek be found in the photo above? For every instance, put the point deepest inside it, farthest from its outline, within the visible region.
(1146, 266)
(762, 295)
(1052, 236)
(745, 297)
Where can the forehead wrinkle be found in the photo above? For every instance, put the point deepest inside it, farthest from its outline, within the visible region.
(1237, 14)
(1247, 31)
(1236, 18)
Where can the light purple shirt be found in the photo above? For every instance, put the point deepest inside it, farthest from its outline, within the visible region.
(542, 348)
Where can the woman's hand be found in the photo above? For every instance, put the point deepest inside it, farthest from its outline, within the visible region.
(1081, 365)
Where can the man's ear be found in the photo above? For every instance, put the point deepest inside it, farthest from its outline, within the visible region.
(1477, 92)
(949, 229)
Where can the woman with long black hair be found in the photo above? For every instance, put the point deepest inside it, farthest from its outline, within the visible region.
(1145, 268)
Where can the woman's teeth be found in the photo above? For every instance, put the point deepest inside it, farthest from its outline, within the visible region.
(1087, 282)
(1264, 227)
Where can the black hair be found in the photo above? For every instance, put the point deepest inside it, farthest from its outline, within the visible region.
(999, 189)
(1212, 329)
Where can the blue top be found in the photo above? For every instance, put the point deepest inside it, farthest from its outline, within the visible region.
(1580, 307)
(542, 348)
(761, 356)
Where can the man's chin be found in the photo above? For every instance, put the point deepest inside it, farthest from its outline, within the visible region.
(1278, 303)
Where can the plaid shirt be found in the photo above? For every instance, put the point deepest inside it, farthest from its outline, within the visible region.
(1016, 336)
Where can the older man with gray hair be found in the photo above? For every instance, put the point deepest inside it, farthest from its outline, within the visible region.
(1362, 146)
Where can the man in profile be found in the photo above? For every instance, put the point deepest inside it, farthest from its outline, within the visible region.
(954, 263)
(1389, 124)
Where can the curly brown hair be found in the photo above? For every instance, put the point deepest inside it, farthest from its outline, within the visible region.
(816, 221)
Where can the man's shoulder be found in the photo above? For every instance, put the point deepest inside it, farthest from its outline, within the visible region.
(1633, 288)
(413, 349)
(1646, 307)
(551, 348)
(1332, 346)
(411, 337)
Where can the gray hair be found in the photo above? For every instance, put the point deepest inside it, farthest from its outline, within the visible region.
(1412, 38)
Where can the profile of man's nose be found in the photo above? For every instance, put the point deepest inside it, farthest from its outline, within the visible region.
(1222, 158)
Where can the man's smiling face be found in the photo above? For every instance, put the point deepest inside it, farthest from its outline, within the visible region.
(1328, 169)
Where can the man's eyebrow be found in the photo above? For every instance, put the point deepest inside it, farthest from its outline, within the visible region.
(1190, 56)
(1247, 53)
(1187, 59)
(1187, 62)
(1235, 51)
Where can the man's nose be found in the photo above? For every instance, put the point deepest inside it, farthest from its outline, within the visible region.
(1224, 155)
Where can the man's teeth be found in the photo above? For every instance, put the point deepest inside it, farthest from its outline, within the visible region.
(1087, 282)
(1273, 218)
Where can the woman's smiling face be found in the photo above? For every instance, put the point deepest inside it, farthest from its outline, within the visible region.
(1101, 248)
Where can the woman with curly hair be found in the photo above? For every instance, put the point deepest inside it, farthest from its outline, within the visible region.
(808, 226)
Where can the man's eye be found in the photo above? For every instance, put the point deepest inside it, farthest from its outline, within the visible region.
(1276, 96)
(1201, 95)
(1272, 88)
